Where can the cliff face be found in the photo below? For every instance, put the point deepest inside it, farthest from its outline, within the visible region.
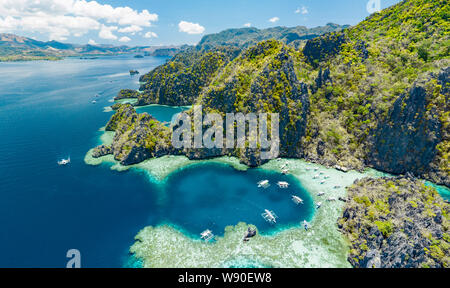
(180, 81)
(396, 222)
(380, 97)
(137, 137)
(407, 140)
(375, 94)
(262, 79)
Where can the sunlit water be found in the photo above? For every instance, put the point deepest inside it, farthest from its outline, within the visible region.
(46, 113)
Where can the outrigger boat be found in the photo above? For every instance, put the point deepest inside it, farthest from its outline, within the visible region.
(263, 184)
(269, 216)
(321, 193)
(207, 235)
(283, 184)
(297, 200)
(331, 199)
(285, 171)
(318, 205)
(64, 162)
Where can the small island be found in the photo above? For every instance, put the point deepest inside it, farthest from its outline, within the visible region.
(134, 72)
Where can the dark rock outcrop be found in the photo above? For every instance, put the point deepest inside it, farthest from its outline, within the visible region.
(138, 137)
(406, 141)
(101, 151)
(273, 89)
(396, 223)
(361, 47)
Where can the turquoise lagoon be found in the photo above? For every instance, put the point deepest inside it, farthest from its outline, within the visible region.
(46, 113)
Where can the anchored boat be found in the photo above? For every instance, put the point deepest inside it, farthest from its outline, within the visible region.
(207, 235)
(263, 184)
(283, 184)
(269, 216)
(297, 200)
(64, 162)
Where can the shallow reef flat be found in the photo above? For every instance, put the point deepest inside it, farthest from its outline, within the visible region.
(288, 246)
(321, 246)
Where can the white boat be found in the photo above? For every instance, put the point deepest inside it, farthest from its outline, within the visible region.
(269, 216)
(316, 176)
(305, 225)
(93, 101)
(318, 205)
(321, 193)
(331, 199)
(297, 200)
(64, 162)
(283, 184)
(322, 182)
(285, 171)
(263, 184)
(207, 235)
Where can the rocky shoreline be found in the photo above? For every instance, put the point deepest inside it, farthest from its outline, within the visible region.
(396, 222)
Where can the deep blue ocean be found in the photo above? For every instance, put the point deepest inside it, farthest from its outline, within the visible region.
(46, 113)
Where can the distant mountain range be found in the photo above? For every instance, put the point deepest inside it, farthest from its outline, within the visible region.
(246, 37)
(17, 48)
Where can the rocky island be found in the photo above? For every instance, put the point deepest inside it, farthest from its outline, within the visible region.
(374, 95)
(343, 99)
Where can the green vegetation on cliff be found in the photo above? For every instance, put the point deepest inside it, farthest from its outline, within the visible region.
(137, 137)
(180, 81)
(396, 223)
(399, 53)
(375, 94)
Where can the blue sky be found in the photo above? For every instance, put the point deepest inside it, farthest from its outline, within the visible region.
(158, 22)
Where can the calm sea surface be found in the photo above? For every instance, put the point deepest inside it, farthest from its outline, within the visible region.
(46, 113)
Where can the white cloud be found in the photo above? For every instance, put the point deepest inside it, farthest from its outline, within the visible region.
(247, 24)
(303, 10)
(124, 39)
(131, 29)
(106, 32)
(60, 19)
(92, 42)
(190, 28)
(150, 35)
(274, 19)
